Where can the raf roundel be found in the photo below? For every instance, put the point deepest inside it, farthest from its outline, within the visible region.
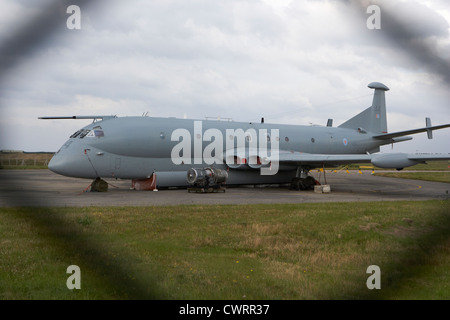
(345, 141)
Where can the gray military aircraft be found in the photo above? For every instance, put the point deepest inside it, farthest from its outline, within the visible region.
(169, 152)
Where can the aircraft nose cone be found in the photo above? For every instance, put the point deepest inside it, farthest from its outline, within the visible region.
(61, 164)
(72, 162)
(55, 164)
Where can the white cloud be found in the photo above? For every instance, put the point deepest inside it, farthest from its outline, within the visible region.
(288, 61)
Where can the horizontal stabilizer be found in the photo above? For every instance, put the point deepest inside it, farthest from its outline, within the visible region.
(79, 117)
(388, 136)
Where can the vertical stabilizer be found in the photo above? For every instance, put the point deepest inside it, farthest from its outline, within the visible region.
(373, 119)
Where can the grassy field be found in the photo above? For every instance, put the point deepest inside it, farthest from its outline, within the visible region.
(442, 165)
(24, 160)
(302, 251)
(443, 176)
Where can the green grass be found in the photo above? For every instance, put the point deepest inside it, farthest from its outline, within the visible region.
(24, 160)
(443, 176)
(290, 251)
(23, 167)
(440, 165)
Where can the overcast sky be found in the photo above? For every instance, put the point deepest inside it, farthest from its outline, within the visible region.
(293, 62)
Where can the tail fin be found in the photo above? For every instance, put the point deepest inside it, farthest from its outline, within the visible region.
(373, 119)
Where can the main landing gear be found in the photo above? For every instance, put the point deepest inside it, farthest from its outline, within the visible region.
(303, 181)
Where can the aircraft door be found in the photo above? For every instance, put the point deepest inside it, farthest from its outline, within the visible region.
(115, 164)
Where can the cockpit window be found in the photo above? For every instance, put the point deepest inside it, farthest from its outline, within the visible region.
(84, 133)
(97, 132)
(76, 134)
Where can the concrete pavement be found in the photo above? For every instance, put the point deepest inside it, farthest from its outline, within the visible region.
(45, 188)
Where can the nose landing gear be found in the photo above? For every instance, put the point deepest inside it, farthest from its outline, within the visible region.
(99, 185)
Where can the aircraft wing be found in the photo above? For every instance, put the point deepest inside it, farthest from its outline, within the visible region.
(255, 159)
(428, 157)
(382, 160)
(319, 160)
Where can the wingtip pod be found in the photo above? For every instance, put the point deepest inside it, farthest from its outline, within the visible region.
(378, 85)
(393, 160)
(402, 160)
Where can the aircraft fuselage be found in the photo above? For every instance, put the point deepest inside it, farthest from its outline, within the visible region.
(136, 147)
